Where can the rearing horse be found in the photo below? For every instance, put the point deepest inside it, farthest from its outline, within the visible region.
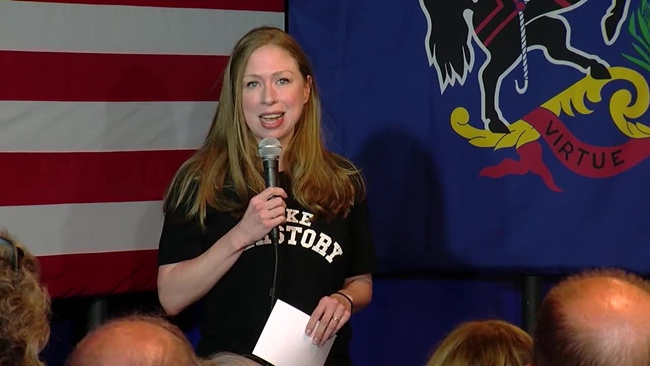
(506, 30)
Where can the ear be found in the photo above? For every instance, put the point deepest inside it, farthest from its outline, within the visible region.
(307, 90)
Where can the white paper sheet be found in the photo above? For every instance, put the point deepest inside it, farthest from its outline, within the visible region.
(283, 341)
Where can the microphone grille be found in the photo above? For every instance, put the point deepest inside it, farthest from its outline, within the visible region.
(269, 148)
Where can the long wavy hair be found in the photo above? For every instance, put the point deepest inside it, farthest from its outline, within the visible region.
(24, 307)
(489, 342)
(226, 172)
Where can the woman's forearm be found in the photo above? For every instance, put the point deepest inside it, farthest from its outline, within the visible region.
(359, 290)
(181, 284)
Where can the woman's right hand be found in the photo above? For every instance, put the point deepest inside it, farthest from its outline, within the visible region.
(262, 214)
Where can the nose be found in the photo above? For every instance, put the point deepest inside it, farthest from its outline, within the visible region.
(269, 95)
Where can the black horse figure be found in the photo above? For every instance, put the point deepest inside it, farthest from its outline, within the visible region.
(506, 30)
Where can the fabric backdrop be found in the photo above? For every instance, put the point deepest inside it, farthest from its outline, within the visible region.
(420, 94)
(100, 103)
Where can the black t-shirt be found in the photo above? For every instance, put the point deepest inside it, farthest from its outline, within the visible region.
(314, 260)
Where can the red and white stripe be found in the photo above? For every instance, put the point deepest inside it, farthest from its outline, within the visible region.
(100, 102)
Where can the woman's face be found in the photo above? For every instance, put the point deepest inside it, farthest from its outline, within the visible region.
(273, 94)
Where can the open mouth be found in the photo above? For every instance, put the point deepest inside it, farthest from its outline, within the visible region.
(271, 119)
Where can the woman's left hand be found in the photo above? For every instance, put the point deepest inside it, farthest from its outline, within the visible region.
(331, 314)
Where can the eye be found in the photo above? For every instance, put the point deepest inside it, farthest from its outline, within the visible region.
(252, 84)
(283, 81)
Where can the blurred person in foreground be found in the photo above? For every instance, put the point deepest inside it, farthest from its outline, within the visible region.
(488, 342)
(595, 318)
(24, 305)
(229, 359)
(141, 340)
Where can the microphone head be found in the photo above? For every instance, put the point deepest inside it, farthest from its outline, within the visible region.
(269, 148)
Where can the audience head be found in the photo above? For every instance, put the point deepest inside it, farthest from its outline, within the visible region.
(596, 318)
(134, 340)
(489, 342)
(229, 359)
(24, 305)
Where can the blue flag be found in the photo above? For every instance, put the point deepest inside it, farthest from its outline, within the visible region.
(495, 135)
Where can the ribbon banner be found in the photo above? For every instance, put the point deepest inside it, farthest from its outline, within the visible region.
(545, 122)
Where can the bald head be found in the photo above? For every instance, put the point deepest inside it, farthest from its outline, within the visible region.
(140, 341)
(595, 318)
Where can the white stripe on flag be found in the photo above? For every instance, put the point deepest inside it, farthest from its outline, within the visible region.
(34, 26)
(100, 126)
(85, 228)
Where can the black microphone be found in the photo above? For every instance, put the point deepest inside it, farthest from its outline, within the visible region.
(269, 150)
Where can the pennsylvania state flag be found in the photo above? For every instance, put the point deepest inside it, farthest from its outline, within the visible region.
(496, 135)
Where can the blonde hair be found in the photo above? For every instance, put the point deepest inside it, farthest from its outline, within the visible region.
(228, 359)
(225, 173)
(489, 342)
(24, 307)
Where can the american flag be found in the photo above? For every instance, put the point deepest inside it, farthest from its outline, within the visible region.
(100, 102)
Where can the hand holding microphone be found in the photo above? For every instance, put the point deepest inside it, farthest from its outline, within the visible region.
(269, 150)
(263, 214)
(266, 210)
